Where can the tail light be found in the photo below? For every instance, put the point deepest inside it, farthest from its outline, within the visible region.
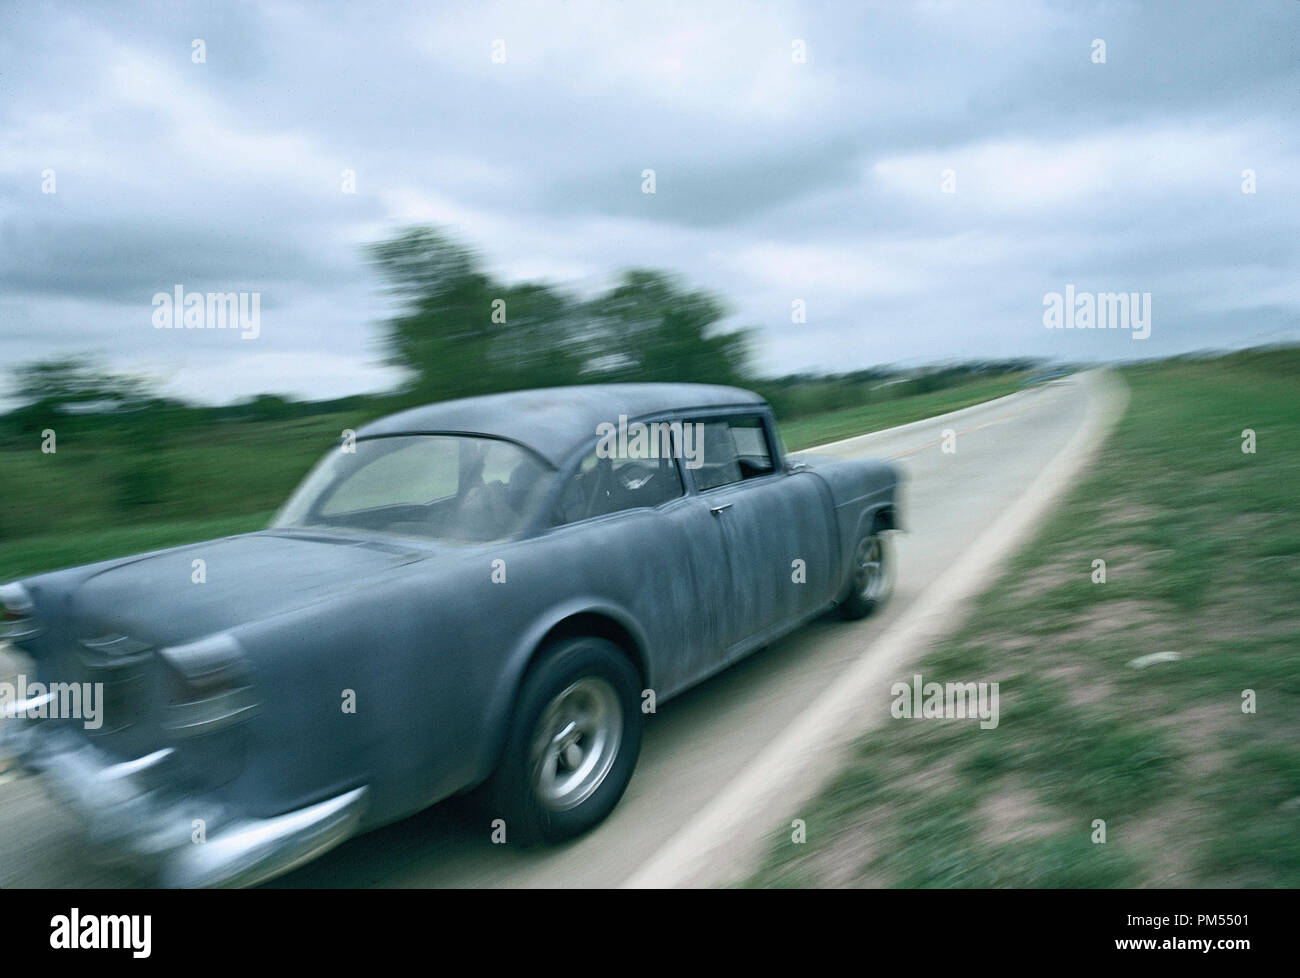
(209, 689)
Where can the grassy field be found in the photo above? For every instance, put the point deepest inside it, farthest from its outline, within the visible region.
(1202, 549)
(104, 494)
(113, 489)
(819, 429)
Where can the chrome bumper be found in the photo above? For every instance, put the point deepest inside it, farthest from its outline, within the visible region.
(132, 818)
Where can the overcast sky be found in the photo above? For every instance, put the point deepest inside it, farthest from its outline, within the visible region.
(776, 180)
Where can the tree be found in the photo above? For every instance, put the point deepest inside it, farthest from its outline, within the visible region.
(75, 380)
(441, 334)
(461, 332)
(653, 329)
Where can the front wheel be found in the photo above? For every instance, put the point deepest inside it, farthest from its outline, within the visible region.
(872, 575)
(573, 742)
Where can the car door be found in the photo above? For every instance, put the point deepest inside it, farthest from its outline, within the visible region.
(773, 527)
(660, 556)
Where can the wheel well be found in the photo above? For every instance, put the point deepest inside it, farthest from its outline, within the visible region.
(881, 519)
(600, 626)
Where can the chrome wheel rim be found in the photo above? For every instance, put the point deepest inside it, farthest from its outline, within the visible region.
(575, 742)
(869, 568)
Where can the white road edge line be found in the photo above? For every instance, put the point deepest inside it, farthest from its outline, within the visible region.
(729, 831)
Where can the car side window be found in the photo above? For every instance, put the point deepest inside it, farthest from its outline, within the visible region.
(603, 485)
(734, 449)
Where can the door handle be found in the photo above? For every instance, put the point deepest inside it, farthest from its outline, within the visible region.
(717, 510)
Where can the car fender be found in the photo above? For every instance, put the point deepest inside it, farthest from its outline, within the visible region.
(496, 722)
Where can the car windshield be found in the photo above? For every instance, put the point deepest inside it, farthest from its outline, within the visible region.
(450, 488)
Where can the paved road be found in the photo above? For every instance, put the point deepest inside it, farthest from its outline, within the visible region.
(695, 744)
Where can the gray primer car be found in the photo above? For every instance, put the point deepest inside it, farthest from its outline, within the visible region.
(481, 594)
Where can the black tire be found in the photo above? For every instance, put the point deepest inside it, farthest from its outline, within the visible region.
(867, 593)
(570, 674)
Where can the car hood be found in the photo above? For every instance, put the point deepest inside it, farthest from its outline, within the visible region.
(167, 598)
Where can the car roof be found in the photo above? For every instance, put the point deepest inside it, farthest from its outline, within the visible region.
(554, 421)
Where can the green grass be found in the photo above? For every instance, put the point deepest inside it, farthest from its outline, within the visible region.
(819, 429)
(1202, 545)
(114, 489)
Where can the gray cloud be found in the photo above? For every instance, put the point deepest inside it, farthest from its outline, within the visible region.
(776, 181)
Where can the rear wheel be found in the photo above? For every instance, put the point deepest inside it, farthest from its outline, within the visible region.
(872, 576)
(573, 742)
